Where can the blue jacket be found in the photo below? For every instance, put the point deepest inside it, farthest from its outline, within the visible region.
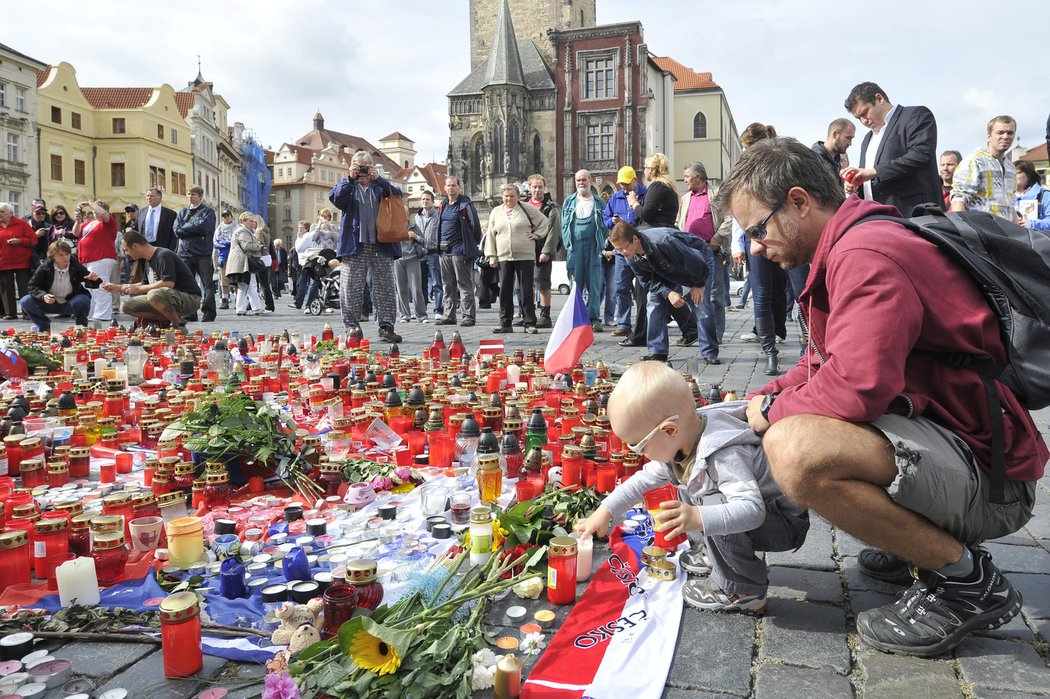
(568, 217)
(342, 197)
(471, 228)
(1041, 193)
(617, 206)
(195, 229)
(672, 259)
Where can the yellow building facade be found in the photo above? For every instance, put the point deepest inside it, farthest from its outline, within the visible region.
(110, 143)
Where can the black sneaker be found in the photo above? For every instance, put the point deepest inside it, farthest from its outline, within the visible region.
(936, 613)
(388, 335)
(880, 565)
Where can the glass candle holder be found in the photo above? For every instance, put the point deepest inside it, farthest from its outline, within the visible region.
(340, 603)
(361, 574)
(561, 570)
(180, 632)
(111, 556)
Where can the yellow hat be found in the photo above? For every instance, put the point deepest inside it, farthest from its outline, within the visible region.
(626, 175)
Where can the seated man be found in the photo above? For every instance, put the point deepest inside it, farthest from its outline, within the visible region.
(59, 285)
(874, 430)
(170, 292)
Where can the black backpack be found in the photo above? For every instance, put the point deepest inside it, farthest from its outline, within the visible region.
(1011, 266)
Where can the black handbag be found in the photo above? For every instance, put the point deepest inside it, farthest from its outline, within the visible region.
(255, 265)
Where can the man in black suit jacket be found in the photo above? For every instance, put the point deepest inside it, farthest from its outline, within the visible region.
(900, 167)
(156, 221)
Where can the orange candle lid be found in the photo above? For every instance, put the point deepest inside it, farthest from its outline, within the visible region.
(507, 642)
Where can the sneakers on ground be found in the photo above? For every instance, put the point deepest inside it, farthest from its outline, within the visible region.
(707, 595)
(749, 337)
(695, 561)
(937, 612)
(880, 565)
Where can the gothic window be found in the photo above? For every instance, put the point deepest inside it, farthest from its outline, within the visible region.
(599, 78)
(478, 161)
(514, 147)
(700, 125)
(600, 141)
(537, 160)
(497, 148)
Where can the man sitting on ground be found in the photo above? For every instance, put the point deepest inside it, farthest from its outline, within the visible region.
(168, 294)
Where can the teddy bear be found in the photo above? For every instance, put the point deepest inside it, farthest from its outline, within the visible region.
(295, 616)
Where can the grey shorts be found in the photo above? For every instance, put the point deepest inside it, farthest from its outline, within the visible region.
(542, 277)
(938, 478)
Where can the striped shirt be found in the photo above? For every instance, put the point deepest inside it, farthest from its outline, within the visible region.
(983, 182)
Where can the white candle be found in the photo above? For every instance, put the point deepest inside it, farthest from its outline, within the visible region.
(77, 581)
(584, 549)
(513, 374)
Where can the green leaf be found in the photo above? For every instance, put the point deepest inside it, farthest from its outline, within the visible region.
(316, 649)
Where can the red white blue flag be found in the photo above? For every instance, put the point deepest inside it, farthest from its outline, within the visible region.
(571, 336)
(620, 637)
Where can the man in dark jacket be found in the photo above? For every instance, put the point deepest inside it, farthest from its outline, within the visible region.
(360, 251)
(841, 133)
(58, 286)
(195, 229)
(459, 232)
(874, 429)
(670, 265)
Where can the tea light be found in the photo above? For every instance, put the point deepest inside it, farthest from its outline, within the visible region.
(306, 542)
(213, 693)
(225, 526)
(30, 659)
(317, 527)
(81, 685)
(507, 642)
(515, 614)
(36, 690)
(15, 645)
(117, 693)
(526, 629)
(52, 672)
(629, 527)
(9, 666)
(442, 531)
(543, 617)
(433, 521)
(158, 554)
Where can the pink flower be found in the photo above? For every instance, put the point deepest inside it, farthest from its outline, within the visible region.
(280, 686)
(381, 483)
(403, 473)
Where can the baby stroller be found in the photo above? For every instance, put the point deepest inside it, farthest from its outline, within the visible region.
(323, 269)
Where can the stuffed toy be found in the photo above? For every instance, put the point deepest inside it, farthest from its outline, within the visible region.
(293, 617)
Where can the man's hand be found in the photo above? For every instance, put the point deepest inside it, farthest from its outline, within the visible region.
(676, 517)
(607, 254)
(715, 244)
(738, 258)
(676, 299)
(544, 258)
(493, 262)
(109, 286)
(632, 199)
(754, 415)
(696, 293)
(857, 176)
(50, 298)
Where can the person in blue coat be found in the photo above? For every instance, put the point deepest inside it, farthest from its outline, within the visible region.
(672, 267)
(360, 251)
(583, 233)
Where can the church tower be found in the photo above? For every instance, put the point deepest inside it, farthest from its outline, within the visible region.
(532, 19)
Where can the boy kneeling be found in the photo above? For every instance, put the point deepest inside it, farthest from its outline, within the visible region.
(730, 501)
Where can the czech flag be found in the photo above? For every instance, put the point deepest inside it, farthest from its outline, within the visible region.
(571, 336)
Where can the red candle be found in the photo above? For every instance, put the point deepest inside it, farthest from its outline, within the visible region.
(571, 466)
(108, 472)
(561, 570)
(654, 500)
(180, 634)
(606, 477)
(524, 490)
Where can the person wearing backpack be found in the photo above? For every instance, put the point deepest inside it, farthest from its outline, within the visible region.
(875, 429)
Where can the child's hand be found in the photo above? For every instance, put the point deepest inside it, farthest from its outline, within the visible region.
(677, 518)
(597, 524)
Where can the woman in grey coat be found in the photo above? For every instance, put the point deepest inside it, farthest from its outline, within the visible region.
(243, 245)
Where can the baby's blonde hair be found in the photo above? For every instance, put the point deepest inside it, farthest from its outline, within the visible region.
(649, 392)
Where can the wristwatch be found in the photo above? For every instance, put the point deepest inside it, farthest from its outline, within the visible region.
(767, 403)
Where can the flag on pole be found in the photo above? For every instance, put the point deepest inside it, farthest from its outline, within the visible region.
(571, 336)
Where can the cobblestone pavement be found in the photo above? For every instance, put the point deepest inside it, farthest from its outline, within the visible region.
(805, 646)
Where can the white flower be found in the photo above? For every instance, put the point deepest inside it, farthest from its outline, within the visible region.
(483, 677)
(484, 658)
(530, 589)
(533, 643)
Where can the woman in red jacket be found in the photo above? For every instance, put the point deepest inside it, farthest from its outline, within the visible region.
(97, 251)
(16, 245)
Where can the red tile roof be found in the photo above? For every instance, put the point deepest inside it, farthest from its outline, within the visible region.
(396, 136)
(41, 76)
(435, 174)
(184, 101)
(685, 77)
(318, 139)
(117, 97)
(1036, 154)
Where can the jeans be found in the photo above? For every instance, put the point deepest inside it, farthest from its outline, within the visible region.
(624, 291)
(77, 306)
(762, 278)
(457, 276)
(609, 274)
(658, 310)
(435, 289)
(719, 283)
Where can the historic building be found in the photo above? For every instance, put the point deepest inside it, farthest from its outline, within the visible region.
(110, 143)
(553, 94)
(429, 177)
(19, 160)
(703, 123)
(215, 160)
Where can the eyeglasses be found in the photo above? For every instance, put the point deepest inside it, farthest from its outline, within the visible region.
(758, 231)
(639, 446)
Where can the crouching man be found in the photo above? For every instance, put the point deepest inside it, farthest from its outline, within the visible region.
(168, 293)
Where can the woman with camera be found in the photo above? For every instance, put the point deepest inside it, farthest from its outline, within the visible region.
(510, 246)
(244, 263)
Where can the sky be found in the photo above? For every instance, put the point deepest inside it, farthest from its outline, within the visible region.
(372, 68)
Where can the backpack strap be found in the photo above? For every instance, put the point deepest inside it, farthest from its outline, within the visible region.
(983, 366)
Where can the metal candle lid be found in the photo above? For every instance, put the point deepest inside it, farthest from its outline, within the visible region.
(170, 499)
(108, 540)
(563, 546)
(360, 571)
(480, 515)
(13, 540)
(51, 526)
(179, 607)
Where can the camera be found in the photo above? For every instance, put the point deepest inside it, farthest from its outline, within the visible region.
(362, 170)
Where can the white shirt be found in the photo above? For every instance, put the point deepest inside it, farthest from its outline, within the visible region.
(873, 149)
(584, 207)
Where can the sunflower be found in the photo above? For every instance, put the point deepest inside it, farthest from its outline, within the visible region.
(373, 653)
